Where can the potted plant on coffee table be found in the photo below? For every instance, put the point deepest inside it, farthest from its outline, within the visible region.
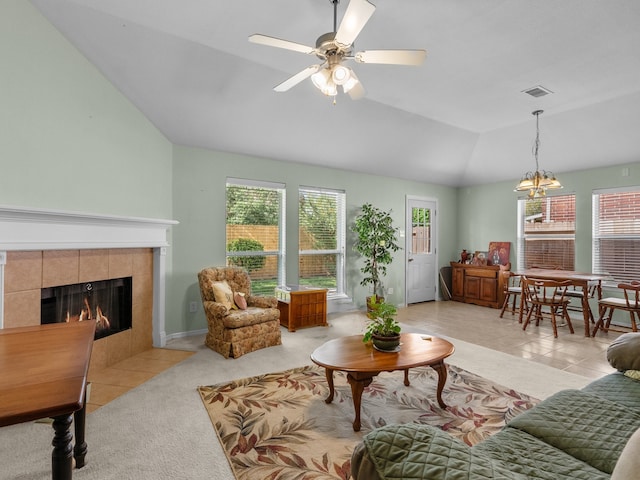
(377, 240)
(382, 328)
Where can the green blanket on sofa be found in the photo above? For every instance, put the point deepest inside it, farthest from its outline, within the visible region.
(574, 434)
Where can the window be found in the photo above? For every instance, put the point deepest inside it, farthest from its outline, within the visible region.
(421, 230)
(255, 223)
(616, 233)
(321, 217)
(546, 232)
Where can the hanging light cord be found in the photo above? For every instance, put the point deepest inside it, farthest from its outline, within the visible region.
(536, 143)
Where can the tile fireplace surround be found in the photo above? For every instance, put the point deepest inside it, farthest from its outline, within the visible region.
(45, 248)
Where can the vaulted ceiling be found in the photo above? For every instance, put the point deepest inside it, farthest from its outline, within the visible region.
(459, 119)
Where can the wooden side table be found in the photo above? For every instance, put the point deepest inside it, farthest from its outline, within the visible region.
(302, 306)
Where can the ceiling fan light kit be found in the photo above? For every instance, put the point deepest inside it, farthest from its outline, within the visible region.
(537, 183)
(340, 74)
(323, 82)
(333, 48)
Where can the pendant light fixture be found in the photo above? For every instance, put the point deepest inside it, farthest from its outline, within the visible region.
(537, 183)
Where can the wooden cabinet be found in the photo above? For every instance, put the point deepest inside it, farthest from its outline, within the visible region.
(302, 306)
(478, 285)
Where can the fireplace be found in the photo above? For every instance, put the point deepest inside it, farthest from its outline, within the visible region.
(43, 248)
(109, 302)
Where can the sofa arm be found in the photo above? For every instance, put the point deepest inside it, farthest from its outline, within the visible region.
(214, 309)
(262, 302)
(362, 468)
(414, 451)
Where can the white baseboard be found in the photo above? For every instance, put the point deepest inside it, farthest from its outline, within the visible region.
(192, 333)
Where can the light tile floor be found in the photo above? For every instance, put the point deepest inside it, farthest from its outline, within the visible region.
(111, 382)
(483, 326)
(470, 323)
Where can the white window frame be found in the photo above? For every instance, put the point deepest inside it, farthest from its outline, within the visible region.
(522, 236)
(280, 253)
(625, 232)
(341, 228)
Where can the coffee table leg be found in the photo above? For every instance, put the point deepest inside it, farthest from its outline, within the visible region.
(61, 463)
(441, 368)
(357, 387)
(329, 374)
(406, 378)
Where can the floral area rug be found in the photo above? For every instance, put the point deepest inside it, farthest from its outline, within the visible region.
(278, 426)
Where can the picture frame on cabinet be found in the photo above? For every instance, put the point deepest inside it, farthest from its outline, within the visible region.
(480, 258)
(499, 251)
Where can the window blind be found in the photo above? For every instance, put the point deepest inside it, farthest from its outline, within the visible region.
(255, 223)
(322, 225)
(616, 234)
(546, 233)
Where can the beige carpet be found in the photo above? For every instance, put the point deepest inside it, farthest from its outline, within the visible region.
(278, 425)
(161, 430)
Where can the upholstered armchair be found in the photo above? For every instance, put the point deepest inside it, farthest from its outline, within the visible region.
(235, 330)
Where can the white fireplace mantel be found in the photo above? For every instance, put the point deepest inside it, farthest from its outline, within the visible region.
(41, 229)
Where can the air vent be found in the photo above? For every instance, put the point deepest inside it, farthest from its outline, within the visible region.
(537, 91)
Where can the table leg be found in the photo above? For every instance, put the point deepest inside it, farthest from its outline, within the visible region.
(406, 377)
(358, 385)
(522, 300)
(61, 457)
(441, 368)
(586, 308)
(80, 448)
(329, 374)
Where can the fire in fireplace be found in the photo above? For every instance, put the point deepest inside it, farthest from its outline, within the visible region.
(109, 302)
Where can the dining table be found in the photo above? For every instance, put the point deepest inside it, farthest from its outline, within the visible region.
(44, 375)
(581, 280)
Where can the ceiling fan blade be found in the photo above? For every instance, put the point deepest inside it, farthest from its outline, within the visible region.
(279, 43)
(296, 79)
(357, 91)
(355, 18)
(392, 57)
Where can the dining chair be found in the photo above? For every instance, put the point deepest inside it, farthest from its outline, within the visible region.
(630, 303)
(549, 294)
(578, 294)
(512, 290)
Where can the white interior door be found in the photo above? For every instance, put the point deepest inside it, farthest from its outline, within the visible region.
(420, 250)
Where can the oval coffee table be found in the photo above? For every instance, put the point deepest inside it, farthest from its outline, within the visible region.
(362, 362)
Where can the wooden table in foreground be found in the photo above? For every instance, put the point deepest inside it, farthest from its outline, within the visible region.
(579, 279)
(44, 374)
(362, 362)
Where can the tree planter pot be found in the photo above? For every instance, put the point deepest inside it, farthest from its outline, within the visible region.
(386, 343)
(379, 299)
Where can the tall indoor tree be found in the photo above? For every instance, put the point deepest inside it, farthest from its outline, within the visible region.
(376, 242)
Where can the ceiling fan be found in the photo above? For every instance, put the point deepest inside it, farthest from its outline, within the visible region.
(334, 48)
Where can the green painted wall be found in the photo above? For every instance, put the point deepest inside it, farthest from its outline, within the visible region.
(69, 140)
(489, 212)
(199, 178)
